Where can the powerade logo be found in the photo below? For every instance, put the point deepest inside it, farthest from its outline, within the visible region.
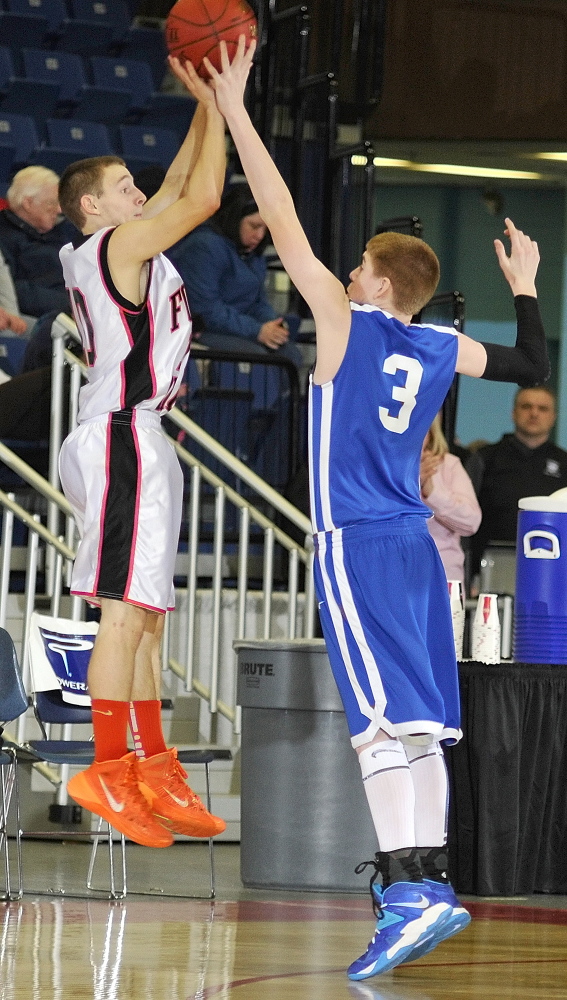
(69, 657)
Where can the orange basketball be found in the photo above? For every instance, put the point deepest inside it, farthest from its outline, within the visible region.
(194, 29)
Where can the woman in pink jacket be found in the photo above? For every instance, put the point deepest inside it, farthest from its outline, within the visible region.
(448, 492)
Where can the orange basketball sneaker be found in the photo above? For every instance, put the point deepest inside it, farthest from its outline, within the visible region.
(173, 803)
(110, 789)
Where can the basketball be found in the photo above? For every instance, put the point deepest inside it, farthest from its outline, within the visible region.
(194, 29)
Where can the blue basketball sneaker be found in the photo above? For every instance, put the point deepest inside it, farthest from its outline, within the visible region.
(409, 915)
(458, 919)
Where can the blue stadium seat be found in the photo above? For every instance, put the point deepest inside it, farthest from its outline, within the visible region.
(12, 350)
(147, 45)
(124, 74)
(15, 27)
(20, 132)
(84, 37)
(141, 146)
(64, 68)
(70, 140)
(173, 111)
(83, 137)
(6, 69)
(7, 154)
(85, 102)
(31, 97)
(112, 13)
(54, 11)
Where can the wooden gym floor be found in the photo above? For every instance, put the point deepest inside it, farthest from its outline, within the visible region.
(250, 944)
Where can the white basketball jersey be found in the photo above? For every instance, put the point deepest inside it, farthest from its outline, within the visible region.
(136, 354)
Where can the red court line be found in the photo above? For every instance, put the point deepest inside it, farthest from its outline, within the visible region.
(211, 991)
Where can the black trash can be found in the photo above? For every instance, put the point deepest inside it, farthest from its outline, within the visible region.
(305, 822)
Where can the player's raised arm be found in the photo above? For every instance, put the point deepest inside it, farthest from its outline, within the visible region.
(135, 242)
(526, 363)
(320, 288)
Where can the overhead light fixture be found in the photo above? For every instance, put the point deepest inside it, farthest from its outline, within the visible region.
(546, 156)
(455, 169)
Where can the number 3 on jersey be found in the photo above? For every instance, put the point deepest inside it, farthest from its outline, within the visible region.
(405, 394)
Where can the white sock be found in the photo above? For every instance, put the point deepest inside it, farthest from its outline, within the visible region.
(388, 784)
(429, 775)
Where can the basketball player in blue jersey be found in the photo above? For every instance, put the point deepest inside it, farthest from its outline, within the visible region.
(119, 471)
(378, 382)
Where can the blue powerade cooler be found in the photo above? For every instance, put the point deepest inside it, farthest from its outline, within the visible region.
(540, 614)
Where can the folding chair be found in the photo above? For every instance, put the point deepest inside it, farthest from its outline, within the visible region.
(13, 703)
(59, 654)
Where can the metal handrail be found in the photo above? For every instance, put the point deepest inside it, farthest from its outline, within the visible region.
(218, 451)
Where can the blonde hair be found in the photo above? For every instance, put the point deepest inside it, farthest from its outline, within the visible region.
(28, 183)
(435, 440)
(410, 264)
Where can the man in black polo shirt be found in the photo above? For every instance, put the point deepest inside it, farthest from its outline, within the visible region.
(523, 464)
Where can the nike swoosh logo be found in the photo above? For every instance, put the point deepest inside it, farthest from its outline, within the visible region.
(116, 806)
(180, 802)
(100, 712)
(421, 905)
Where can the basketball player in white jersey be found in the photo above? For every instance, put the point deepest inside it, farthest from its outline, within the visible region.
(378, 382)
(120, 472)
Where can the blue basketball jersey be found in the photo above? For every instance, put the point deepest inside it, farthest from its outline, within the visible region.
(367, 425)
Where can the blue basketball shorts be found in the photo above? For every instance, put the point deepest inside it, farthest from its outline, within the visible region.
(384, 609)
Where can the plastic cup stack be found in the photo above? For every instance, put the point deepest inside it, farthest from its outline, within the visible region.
(457, 614)
(486, 630)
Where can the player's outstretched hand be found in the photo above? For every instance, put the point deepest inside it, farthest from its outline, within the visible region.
(520, 268)
(185, 71)
(229, 85)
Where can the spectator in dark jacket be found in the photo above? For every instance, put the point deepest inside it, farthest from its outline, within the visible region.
(30, 239)
(224, 270)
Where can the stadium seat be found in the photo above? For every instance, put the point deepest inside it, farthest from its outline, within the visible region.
(84, 37)
(64, 68)
(30, 97)
(7, 154)
(6, 69)
(12, 350)
(112, 13)
(70, 140)
(20, 132)
(97, 104)
(141, 146)
(54, 11)
(124, 74)
(14, 27)
(147, 45)
(173, 111)
(87, 138)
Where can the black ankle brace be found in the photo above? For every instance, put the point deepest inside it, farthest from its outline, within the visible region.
(435, 863)
(403, 865)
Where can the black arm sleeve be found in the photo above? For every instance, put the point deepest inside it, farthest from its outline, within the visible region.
(527, 363)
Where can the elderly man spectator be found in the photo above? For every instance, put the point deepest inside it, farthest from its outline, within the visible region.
(523, 464)
(31, 236)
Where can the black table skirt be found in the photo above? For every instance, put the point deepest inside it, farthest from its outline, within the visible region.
(508, 775)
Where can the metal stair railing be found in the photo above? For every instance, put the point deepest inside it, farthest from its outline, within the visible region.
(215, 688)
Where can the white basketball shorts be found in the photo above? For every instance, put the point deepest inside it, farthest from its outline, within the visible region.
(122, 477)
